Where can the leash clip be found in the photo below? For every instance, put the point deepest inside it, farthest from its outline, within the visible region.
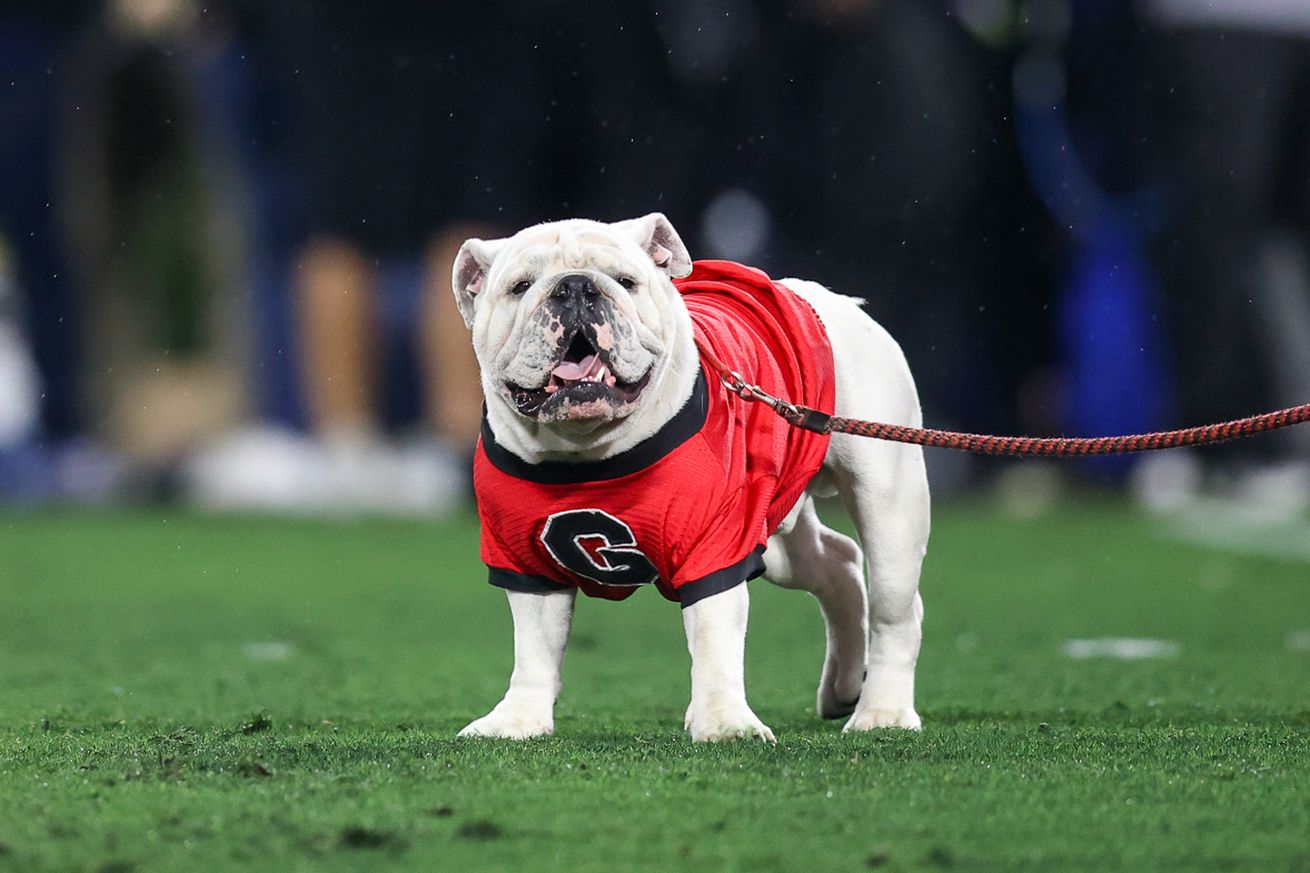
(797, 416)
(737, 384)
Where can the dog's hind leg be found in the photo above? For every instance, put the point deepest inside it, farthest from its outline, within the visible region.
(885, 488)
(830, 566)
(889, 504)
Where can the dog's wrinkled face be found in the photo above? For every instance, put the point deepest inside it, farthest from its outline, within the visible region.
(571, 319)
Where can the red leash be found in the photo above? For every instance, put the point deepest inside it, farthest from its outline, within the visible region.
(820, 422)
(1066, 446)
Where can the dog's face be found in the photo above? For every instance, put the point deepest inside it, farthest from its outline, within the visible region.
(572, 321)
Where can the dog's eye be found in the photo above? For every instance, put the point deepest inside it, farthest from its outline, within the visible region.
(520, 288)
(627, 282)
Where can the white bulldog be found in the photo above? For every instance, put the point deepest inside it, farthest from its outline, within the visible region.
(586, 350)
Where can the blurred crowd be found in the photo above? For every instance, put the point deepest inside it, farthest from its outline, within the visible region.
(226, 228)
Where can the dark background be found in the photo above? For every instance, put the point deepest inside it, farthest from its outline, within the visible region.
(1077, 216)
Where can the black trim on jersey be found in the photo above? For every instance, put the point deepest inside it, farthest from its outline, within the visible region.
(749, 567)
(682, 427)
(512, 581)
(721, 580)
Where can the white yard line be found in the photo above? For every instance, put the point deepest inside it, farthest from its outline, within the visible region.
(1239, 528)
(274, 650)
(1120, 648)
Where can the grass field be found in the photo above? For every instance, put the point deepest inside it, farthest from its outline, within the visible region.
(181, 692)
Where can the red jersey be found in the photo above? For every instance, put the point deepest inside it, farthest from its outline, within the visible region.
(690, 509)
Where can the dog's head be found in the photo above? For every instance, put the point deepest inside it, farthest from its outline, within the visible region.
(574, 321)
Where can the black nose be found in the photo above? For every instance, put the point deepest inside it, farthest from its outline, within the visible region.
(574, 288)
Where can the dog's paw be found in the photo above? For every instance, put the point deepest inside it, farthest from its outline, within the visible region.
(510, 724)
(830, 705)
(735, 724)
(838, 697)
(871, 719)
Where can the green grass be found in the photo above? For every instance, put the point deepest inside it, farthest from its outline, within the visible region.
(147, 724)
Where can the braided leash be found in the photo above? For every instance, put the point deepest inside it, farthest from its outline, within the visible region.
(1068, 446)
(820, 422)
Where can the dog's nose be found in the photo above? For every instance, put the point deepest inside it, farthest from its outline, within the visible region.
(575, 288)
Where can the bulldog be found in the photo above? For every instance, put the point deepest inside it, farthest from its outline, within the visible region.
(613, 456)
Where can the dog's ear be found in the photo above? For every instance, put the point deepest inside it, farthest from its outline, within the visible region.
(656, 236)
(469, 274)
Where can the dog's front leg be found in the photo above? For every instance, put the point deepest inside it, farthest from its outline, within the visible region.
(716, 638)
(541, 631)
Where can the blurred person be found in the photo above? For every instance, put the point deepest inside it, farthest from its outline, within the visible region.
(20, 390)
(153, 208)
(432, 124)
(1229, 88)
(1075, 116)
(900, 178)
(44, 455)
(34, 43)
(389, 122)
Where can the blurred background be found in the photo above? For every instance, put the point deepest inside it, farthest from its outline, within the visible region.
(226, 227)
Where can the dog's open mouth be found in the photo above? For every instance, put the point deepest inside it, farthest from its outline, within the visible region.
(580, 379)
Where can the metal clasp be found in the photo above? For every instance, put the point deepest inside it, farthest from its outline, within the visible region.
(738, 385)
(798, 416)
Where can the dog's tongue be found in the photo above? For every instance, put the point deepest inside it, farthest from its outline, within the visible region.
(572, 372)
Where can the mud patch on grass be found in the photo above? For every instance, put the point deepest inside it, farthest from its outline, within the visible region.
(357, 837)
(481, 830)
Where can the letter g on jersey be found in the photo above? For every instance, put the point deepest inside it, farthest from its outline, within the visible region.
(597, 546)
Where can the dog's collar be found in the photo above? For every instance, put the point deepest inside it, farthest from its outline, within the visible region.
(683, 426)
